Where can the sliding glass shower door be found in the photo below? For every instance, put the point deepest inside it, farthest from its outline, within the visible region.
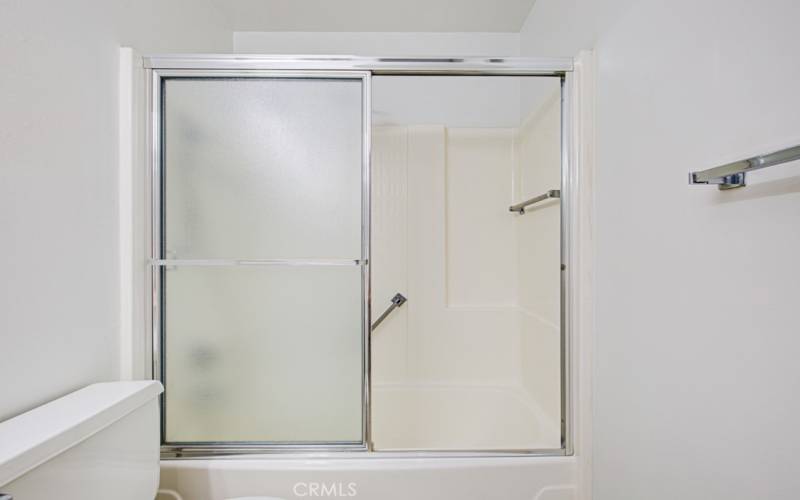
(261, 258)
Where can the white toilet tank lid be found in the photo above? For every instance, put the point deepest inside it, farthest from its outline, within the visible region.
(30, 439)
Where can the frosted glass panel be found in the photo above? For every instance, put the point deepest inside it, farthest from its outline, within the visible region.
(263, 354)
(263, 168)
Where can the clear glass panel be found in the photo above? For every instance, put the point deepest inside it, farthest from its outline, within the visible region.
(263, 354)
(263, 168)
(473, 362)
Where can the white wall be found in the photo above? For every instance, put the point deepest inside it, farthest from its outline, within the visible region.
(376, 43)
(561, 29)
(58, 180)
(696, 297)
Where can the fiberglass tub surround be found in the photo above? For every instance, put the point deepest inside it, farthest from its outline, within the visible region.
(286, 203)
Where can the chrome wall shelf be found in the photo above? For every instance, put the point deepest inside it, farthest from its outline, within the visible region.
(732, 175)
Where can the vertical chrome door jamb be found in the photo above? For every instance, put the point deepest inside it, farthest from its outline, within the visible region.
(155, 137)
(366, 221)
(567, 200)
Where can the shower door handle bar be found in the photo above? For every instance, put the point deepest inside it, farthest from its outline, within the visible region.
(732, 175)
(520, 207)
(397, 301)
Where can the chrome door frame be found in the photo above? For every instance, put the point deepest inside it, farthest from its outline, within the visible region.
(159, 67)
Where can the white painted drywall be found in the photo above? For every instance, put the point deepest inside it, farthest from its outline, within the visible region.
(696, 292)
(469, 102)
(378, 15)
(58, 181)
(376, 43)
(562, 28)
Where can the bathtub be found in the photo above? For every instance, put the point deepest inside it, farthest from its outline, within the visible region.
(370, 476)
(422, 416)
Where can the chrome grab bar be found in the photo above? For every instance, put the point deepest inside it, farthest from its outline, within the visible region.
(732, 175)
(520, 207)
(397, 301)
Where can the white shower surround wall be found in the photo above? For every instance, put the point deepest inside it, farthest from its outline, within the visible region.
(471, 362)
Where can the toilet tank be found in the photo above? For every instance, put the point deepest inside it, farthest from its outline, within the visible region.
(98, 443)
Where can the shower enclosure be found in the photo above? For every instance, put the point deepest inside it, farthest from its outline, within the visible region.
(284, 220)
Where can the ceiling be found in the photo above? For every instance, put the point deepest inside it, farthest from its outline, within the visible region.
(377, 15)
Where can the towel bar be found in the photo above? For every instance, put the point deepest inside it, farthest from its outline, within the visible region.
(732, 175)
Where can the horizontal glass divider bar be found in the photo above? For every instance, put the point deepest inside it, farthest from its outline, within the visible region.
(257, 262)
